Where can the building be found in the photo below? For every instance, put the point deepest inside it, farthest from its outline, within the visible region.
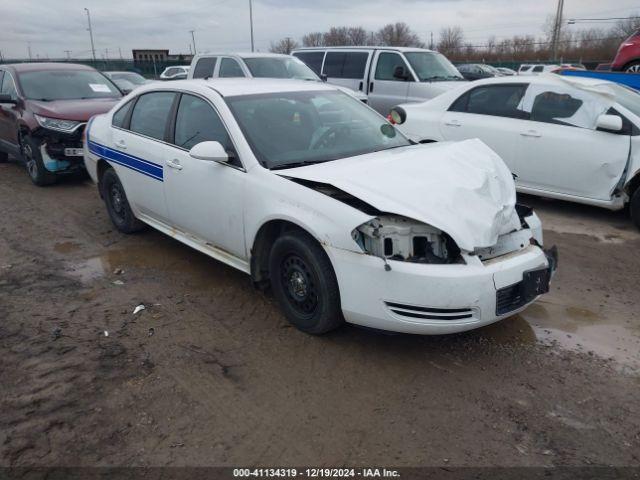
(159, 56)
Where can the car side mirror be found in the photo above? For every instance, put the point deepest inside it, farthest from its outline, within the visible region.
(613, 123)
(324, 77)
(211, 151)
(400, 73)
(8, 99)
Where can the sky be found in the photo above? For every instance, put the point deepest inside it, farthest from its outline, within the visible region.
(50, 27)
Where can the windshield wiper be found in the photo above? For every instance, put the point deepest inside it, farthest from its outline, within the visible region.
(296, 164)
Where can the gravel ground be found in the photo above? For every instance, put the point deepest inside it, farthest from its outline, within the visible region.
(210, 373)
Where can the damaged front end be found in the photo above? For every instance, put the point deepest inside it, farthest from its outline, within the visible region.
(60, 144)
(393, 237)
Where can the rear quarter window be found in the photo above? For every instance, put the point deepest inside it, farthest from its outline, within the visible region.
(312, 59)
(205, 67)
(120, 117)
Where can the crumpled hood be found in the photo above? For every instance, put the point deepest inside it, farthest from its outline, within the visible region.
(462, 188)
(78, 110)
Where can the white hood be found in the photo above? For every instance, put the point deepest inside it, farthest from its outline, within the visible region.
(463, 188)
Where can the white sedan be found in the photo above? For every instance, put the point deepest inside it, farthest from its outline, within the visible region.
(569, 138)
(313, 193)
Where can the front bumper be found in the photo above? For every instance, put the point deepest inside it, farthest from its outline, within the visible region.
(430, 299)
(55, 148)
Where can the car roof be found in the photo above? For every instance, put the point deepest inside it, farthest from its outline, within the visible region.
(46, 66)
(547, 79)
(231, 87)
(398, 49)
(244, 55)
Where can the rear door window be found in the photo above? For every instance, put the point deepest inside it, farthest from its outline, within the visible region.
(346, 64)
(494, 100)
(151, 113)
(538, 69)
(312, 59)
(387, 64)
(204, 67)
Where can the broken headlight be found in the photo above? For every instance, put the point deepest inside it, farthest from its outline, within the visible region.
(392, 237)
(57, 124)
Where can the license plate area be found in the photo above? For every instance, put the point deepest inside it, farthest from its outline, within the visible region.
(73, 152)
(534, 283)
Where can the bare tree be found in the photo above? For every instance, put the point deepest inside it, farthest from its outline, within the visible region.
(624, 28)
(313, 39)
(357, 36)
(451, 40)
(336, 36)
(286, 46)
(399, 35)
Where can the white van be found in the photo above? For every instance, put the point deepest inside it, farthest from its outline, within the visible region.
(256, 65)
(387, 75)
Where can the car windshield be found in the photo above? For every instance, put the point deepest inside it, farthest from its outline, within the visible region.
(131, 77)
(291, 129)
(67, 85)
(628, 98)
(431, 66)
(273, 67)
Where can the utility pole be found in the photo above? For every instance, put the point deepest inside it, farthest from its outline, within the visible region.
(557, 27)
(29, 48)
(251, 22)
(431, 44)
(68, 52)
(93, 48)
(120, 52)
(106, 51)
(193, 37)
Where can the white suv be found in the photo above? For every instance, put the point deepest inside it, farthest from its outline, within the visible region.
(313, 193)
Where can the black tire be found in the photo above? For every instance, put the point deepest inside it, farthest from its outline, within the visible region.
(634, 207)
(117, 204)
(304, 283)
(32, 158)
(633, 67)
(4, 157)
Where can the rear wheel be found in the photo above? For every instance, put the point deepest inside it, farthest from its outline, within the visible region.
(304, 283)
(633, 67)
(117, 204)
(634, 205)
(32, 158)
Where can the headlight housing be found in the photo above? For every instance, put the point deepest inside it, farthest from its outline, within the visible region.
(57, 124)
(393, 237)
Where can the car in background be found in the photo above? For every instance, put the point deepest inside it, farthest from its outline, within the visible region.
(627, 58)
(507, 72)
(477, 71)
(256, 65)
(314, 194)
(387, 75)
(126, 81)
(175, 73)
(44, 108)
(529, 69)
(569, 138)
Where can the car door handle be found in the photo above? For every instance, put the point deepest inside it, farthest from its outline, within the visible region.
(453, 123)
(121, 145)
(175, 164)
(531, 133)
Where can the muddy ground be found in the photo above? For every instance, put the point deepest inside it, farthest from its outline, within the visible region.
(210, 373)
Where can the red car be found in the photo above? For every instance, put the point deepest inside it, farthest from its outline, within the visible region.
(628, 56)
(44, 108)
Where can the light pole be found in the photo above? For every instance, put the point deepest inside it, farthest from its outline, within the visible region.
(251, 22)
(93, 48)
(193, 37)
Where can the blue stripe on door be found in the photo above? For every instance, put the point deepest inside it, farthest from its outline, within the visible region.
(137, 164)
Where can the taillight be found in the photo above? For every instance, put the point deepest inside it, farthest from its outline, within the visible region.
(390, 119)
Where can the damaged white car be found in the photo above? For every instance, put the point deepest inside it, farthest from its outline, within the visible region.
(315, 195)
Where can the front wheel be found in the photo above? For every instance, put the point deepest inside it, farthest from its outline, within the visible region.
(304, 283)
(634, 207)
(117, 204)
(32, 158)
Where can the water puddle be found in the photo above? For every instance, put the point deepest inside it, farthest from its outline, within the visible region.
(66, 247)
(606, 334)
(172, 259)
